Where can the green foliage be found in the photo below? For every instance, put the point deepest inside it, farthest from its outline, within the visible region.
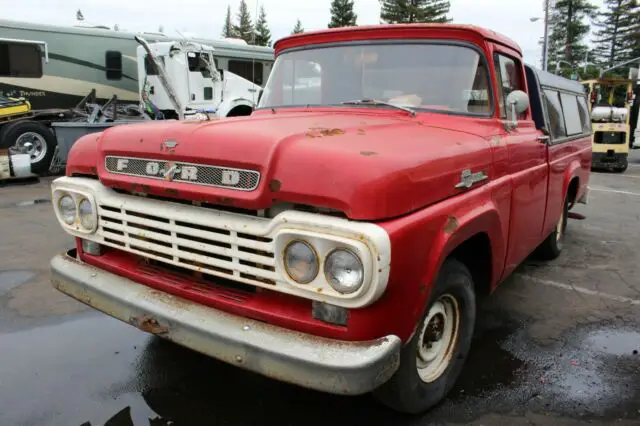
(263, 34)
(298, 28)
(228, 30)
(244, 28)
(342, 14)
(618, 30)
(410, 11)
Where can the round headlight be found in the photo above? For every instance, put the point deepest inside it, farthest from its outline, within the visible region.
(67, 209)
(301, 262)
(85, 211)
(344, 271)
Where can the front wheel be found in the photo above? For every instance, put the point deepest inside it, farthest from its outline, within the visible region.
(432, 360)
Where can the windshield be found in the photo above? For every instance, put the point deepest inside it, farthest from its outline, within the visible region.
(422, 76)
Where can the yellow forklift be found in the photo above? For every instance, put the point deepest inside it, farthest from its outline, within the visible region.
(610, 102)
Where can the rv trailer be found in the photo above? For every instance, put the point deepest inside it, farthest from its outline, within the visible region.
(78, 60)
(52, 70)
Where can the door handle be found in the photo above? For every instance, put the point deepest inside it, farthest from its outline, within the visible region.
(543, 138)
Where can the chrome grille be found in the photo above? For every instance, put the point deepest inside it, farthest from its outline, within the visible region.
(211, 250)
(199, 174)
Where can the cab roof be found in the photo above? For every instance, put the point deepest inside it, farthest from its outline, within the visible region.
(396, 31)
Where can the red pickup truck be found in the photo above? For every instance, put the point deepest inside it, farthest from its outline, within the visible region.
(340, 236)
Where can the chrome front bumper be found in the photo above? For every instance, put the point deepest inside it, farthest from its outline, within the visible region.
(340, 367)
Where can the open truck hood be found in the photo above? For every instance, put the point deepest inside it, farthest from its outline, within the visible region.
(371, 165)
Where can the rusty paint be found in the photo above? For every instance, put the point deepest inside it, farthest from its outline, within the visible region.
(145, 188)
(319, 132)
(451, 225)
(275, 185)
(93, 170)
(319, 290)
(225, 200)
(361, 132)
(368, 153)
(141, 140)
(172, 191)
(149, 324)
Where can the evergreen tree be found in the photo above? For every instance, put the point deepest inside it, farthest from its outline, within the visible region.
(298, 28)
(228, 29)
(244, 28)
(342, 14)
(409, 11)
(263, 34)
(614, 38)
(568, 29)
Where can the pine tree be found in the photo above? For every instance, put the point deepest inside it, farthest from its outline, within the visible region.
(342, 14)
(410, 11)
(263, 34)
(569, 27)
(228, 29)
(244, 28)
(614, 41)
(298, 28)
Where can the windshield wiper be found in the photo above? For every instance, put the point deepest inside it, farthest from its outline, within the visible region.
(411, 111)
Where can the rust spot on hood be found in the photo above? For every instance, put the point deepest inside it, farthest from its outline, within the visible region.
(368, 153)
(319, 132)
(275, 185)
(451, 225)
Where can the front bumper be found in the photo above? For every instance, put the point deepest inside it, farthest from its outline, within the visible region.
(348, 368)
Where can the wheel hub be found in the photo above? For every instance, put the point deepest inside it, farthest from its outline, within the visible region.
(30, 143)
(438, 338)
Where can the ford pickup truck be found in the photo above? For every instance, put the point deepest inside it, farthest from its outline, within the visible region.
(340, 237)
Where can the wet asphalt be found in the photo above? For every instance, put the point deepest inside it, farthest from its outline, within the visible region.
(558, 343)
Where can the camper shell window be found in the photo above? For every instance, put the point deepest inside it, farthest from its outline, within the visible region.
(20, 60)
(113, 65)
(245, 70)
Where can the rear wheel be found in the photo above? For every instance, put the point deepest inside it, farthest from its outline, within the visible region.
(431, 361)
(552, 246)
(621, 169)
(33, 138)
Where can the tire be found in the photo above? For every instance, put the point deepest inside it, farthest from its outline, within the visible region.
(411, 391)
(42, 140)
(621, 169)
(552, 246)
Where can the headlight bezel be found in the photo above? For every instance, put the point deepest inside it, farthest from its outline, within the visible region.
(77, 196)
(323, 245)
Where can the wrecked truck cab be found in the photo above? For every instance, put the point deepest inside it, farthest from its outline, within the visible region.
(339, 237)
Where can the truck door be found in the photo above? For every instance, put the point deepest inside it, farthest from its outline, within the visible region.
(527, 167)
(202, 90)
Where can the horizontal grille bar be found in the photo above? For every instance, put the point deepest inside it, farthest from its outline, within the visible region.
(225, 253)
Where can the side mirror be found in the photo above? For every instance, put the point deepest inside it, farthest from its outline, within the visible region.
(517, 102)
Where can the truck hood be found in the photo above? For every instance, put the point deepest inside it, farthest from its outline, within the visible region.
(370, 166)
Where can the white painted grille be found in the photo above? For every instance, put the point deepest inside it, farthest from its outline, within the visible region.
(214, 250)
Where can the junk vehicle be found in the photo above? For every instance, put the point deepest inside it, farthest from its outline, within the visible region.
(610, 102)
(339, 237)
(54, 68)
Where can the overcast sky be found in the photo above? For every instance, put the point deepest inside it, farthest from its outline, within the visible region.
(204, 18)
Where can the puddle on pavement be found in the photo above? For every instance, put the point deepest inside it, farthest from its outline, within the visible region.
(615, 342)
(11, 279)
(33, 202)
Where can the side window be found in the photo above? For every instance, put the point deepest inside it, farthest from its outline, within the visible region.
(113, 64)
(556, 119)
(571, 114)
(20, 60)
(245, 70)
(585, 119)
(509, 73)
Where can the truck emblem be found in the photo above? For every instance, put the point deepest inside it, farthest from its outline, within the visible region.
(230, 177)
(168, 144)
(468, 179)
(171, 171)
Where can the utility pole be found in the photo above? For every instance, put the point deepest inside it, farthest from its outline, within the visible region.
(545, 45)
